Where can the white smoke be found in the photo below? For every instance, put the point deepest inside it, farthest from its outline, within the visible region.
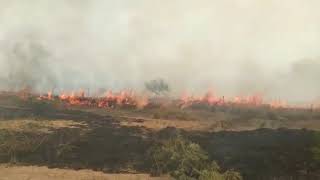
(236, 46)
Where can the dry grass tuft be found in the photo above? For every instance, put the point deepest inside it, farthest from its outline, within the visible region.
(44, 126)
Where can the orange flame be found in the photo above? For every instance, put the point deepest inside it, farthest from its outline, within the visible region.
(128, 98)
(109, 100)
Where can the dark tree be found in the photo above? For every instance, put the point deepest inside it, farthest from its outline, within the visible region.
(157, 86)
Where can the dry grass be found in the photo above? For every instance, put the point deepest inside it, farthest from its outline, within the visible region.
(159, 124)
(43, 173)
(217, 125)
(114, 140)
(44, 126)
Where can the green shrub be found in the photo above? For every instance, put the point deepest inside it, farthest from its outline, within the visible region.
(185, 160)
(211, 172)
(179, 158)
(232, 175)
(210, 175)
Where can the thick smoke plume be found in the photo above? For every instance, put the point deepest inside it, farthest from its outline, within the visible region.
(235, 47)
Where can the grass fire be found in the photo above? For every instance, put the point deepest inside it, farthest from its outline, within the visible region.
(159, 90)
(129, 98)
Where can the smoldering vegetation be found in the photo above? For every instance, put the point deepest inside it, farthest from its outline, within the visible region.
(236, 47)
(233, 48)
(28, 63)
(55, 135)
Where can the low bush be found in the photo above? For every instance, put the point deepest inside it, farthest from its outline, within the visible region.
(185, 160)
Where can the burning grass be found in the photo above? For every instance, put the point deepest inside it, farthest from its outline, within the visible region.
(160, 113)
(131, 99)
(116, 139)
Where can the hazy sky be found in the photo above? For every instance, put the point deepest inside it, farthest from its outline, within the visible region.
(234, 46)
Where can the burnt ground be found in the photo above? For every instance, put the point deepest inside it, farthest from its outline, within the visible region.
(100, 140)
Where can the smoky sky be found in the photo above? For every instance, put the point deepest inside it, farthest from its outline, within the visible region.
(234, 47)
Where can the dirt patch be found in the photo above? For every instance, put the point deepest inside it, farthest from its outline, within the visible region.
(43, 173)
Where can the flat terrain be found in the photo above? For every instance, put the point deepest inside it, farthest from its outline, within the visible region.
(43, 173)
(52, 140)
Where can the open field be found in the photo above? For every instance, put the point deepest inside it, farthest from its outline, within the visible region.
(260, 143)
(43, 173)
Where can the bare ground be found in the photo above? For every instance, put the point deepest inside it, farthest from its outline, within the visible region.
(9, 172)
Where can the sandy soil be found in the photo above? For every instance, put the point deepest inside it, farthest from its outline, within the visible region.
(43, 173)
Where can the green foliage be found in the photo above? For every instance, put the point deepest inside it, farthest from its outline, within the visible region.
(185, 160)
(157, 86)
(210, 175)
(211, 172)
(232, 175)
(180, 158)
